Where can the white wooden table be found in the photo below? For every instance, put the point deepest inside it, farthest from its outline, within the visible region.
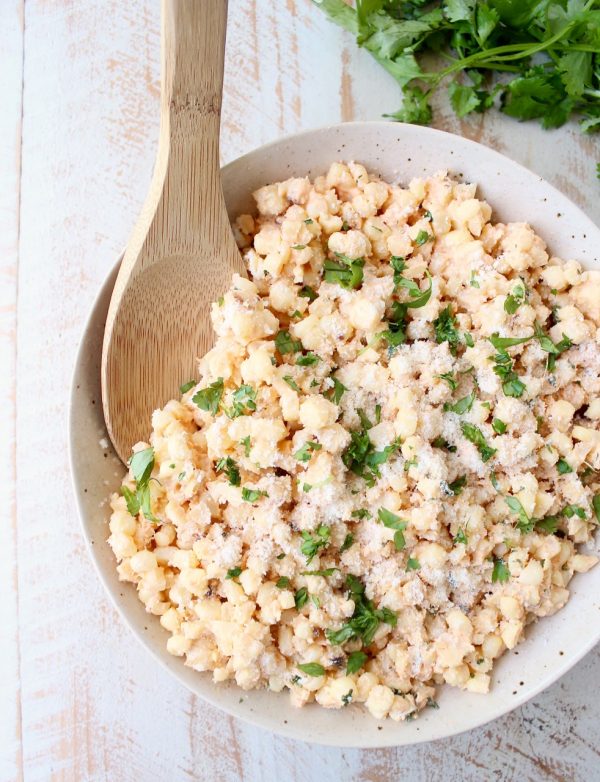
(79, 699)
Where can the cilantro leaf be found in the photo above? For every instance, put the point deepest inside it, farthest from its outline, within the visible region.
(500, 572)
(514, 300)
(308, 359)
(252, 495)
(347, 272)
(499, 426)
(475, 435)
(337, 391)
(364, 621)
(391, 521)
(462, 406)
(463, 99)
(230, 468)
(304, 453)
(355, 662)
(183, 389)
(209, 398)
(524, 524)
(301, 597)
(286, 344)
(141, 465)
(312, 543)
(348, 542)
(243, 402)
(312, 669)
(445, 326)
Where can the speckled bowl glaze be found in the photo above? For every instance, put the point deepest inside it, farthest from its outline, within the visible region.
(397, 153)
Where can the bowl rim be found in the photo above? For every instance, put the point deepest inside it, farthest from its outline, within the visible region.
(252, 718)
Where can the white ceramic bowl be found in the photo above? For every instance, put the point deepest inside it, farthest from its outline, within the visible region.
(398, 153)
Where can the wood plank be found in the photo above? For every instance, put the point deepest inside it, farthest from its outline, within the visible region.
(94, 706)
(11, 89)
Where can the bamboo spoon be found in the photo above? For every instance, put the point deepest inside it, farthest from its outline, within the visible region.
(182, 253)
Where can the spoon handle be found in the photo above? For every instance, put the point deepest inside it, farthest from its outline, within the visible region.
(185, 212)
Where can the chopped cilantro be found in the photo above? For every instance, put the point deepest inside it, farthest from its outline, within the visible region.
(445, 326)
(475, 435)
(524, 523)
(337, 391)
(418, 298)
(245, 441)
(458, 485)
(391, 521)
(500, 343)
(365, 619)
(573, 510)
(282, 583)
(307, 293)
(361, 457)
(234, 572)
(252, 495)
(230, 468)
(291, 382)
(308, 360)
(243, 402)
(183, 389)
(301, 597)
(450, 379)
(563, 467)
(413, 564)
(422, 238)
(511, 384)
(312, 543)
(285, 344)
(312, 669)
(355, 662)
(548, 524)
(514, 300)
(500, 572)
(398, 265)
(462, 406)
(304, 453)
(461, 537)
(347, 272)
(209, 398)
(323, 573)
(141, 464)
(499, 426)
(348, 542)
(361, 513)
(439, 442)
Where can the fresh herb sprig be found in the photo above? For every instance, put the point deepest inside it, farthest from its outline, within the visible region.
(141, 465)
(547, 54)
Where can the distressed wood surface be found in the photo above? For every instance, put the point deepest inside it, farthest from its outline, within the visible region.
(79, 699)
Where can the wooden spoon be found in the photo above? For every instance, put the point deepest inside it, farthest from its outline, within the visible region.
(182, 253)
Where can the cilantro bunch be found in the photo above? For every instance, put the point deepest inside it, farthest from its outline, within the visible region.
(535, 59)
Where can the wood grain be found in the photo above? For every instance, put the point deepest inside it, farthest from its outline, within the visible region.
(11, 88)
(158, 321)
(93, 705)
